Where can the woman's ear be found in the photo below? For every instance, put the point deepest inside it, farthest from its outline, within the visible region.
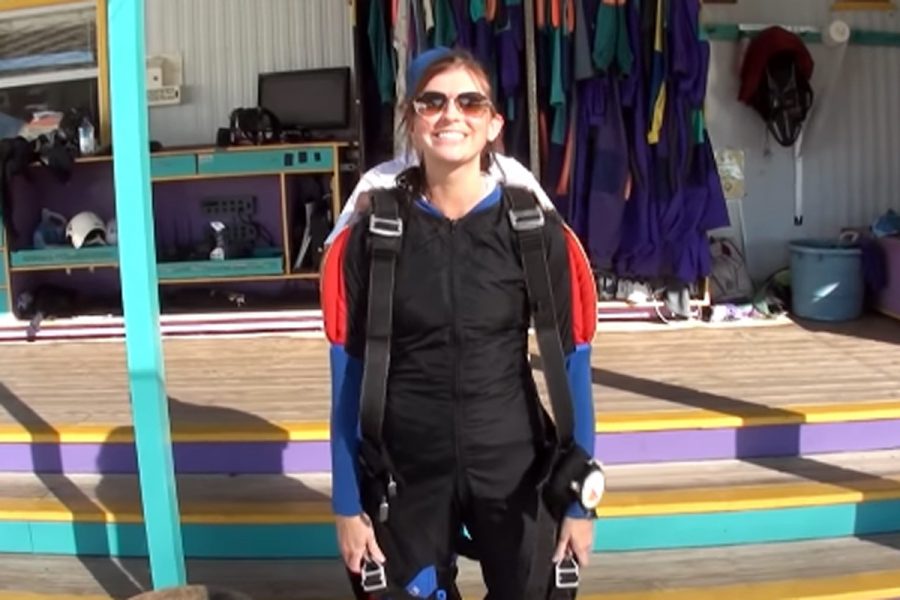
(495, 127)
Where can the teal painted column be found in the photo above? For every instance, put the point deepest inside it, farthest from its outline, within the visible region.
(140, 291)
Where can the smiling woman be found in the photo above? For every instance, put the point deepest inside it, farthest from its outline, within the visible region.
(451, 123)
(449, 435)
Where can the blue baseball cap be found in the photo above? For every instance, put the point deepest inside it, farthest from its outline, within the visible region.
(420, 64)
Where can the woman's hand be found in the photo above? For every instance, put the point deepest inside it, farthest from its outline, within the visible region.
(575, 537)
(356, 539)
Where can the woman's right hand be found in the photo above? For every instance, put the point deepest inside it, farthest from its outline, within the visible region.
(356, 539)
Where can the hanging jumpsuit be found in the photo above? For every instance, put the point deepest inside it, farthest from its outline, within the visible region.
(463, 424)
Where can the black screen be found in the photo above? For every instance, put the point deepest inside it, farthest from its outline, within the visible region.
(308, 99)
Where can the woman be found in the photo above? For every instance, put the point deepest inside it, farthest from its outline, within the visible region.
(462, 425)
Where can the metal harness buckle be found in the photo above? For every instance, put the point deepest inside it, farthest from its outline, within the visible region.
(373, 577)
(385, 227)
(567, 573)
(526, 219)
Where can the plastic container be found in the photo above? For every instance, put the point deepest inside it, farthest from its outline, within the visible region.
(826, 280)
(86, 141)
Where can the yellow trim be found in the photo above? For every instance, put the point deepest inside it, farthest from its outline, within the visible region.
(305, 431)
(100, 433)
(737, 498)
(237, 175)
(858, 586)
(785, 415)
(704, 500)
(51, 509)
(103, 90)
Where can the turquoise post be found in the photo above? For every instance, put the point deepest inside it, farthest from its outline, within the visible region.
(140, 291)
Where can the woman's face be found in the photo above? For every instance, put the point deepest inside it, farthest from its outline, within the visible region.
(454, 120)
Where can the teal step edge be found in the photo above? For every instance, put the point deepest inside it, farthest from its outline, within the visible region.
(317, 540)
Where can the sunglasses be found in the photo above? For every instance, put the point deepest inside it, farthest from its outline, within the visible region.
(469, 104)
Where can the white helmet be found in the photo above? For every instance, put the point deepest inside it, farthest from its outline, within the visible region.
(86, 229)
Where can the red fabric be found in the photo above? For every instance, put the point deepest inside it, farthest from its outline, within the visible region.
(333, 296)
(584, 291)
(764, 46)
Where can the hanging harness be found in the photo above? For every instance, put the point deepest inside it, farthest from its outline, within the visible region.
(775, 81)
(571, 474)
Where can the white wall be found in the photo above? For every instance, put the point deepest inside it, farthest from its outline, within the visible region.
(851, 166)
(226, 43)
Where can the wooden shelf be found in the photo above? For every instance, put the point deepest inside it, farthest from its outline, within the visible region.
(195, 166)
(65, 267)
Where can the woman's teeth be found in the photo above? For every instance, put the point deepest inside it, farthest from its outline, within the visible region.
(450, 135)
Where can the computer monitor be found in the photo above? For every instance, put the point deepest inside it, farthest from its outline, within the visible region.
(307, 100)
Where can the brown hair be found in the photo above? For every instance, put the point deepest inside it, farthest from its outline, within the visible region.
(456, 59)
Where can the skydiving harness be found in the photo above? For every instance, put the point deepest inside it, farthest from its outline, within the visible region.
(572, 474)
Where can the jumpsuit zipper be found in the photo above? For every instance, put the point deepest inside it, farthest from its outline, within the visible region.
(457, 400)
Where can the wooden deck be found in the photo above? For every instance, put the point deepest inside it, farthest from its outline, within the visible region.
(285, 379)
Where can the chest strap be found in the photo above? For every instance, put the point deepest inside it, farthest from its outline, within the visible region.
(527, 220)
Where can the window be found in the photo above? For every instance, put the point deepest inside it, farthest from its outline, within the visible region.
(52, 58)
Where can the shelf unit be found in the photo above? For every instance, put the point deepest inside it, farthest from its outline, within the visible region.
(273, 165)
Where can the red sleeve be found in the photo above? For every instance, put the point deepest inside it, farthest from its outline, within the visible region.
(584, 291)
(333, 291)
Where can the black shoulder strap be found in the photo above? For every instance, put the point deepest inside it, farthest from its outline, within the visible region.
(527, 219)
(386, 236)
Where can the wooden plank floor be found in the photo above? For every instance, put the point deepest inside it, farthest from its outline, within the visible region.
(222, 380)
(640, 573)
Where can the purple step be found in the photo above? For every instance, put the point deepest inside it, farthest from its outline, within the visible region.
(612, 448)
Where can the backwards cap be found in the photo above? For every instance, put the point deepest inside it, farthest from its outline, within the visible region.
(420, 64)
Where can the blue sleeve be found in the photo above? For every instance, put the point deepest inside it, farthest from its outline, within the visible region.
(578, 369)
(346, 381)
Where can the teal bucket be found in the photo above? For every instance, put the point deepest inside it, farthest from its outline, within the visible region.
(826, 280)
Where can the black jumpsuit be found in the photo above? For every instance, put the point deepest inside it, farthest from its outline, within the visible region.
(463, 424)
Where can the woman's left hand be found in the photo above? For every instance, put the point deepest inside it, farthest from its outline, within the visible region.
(576, 537)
